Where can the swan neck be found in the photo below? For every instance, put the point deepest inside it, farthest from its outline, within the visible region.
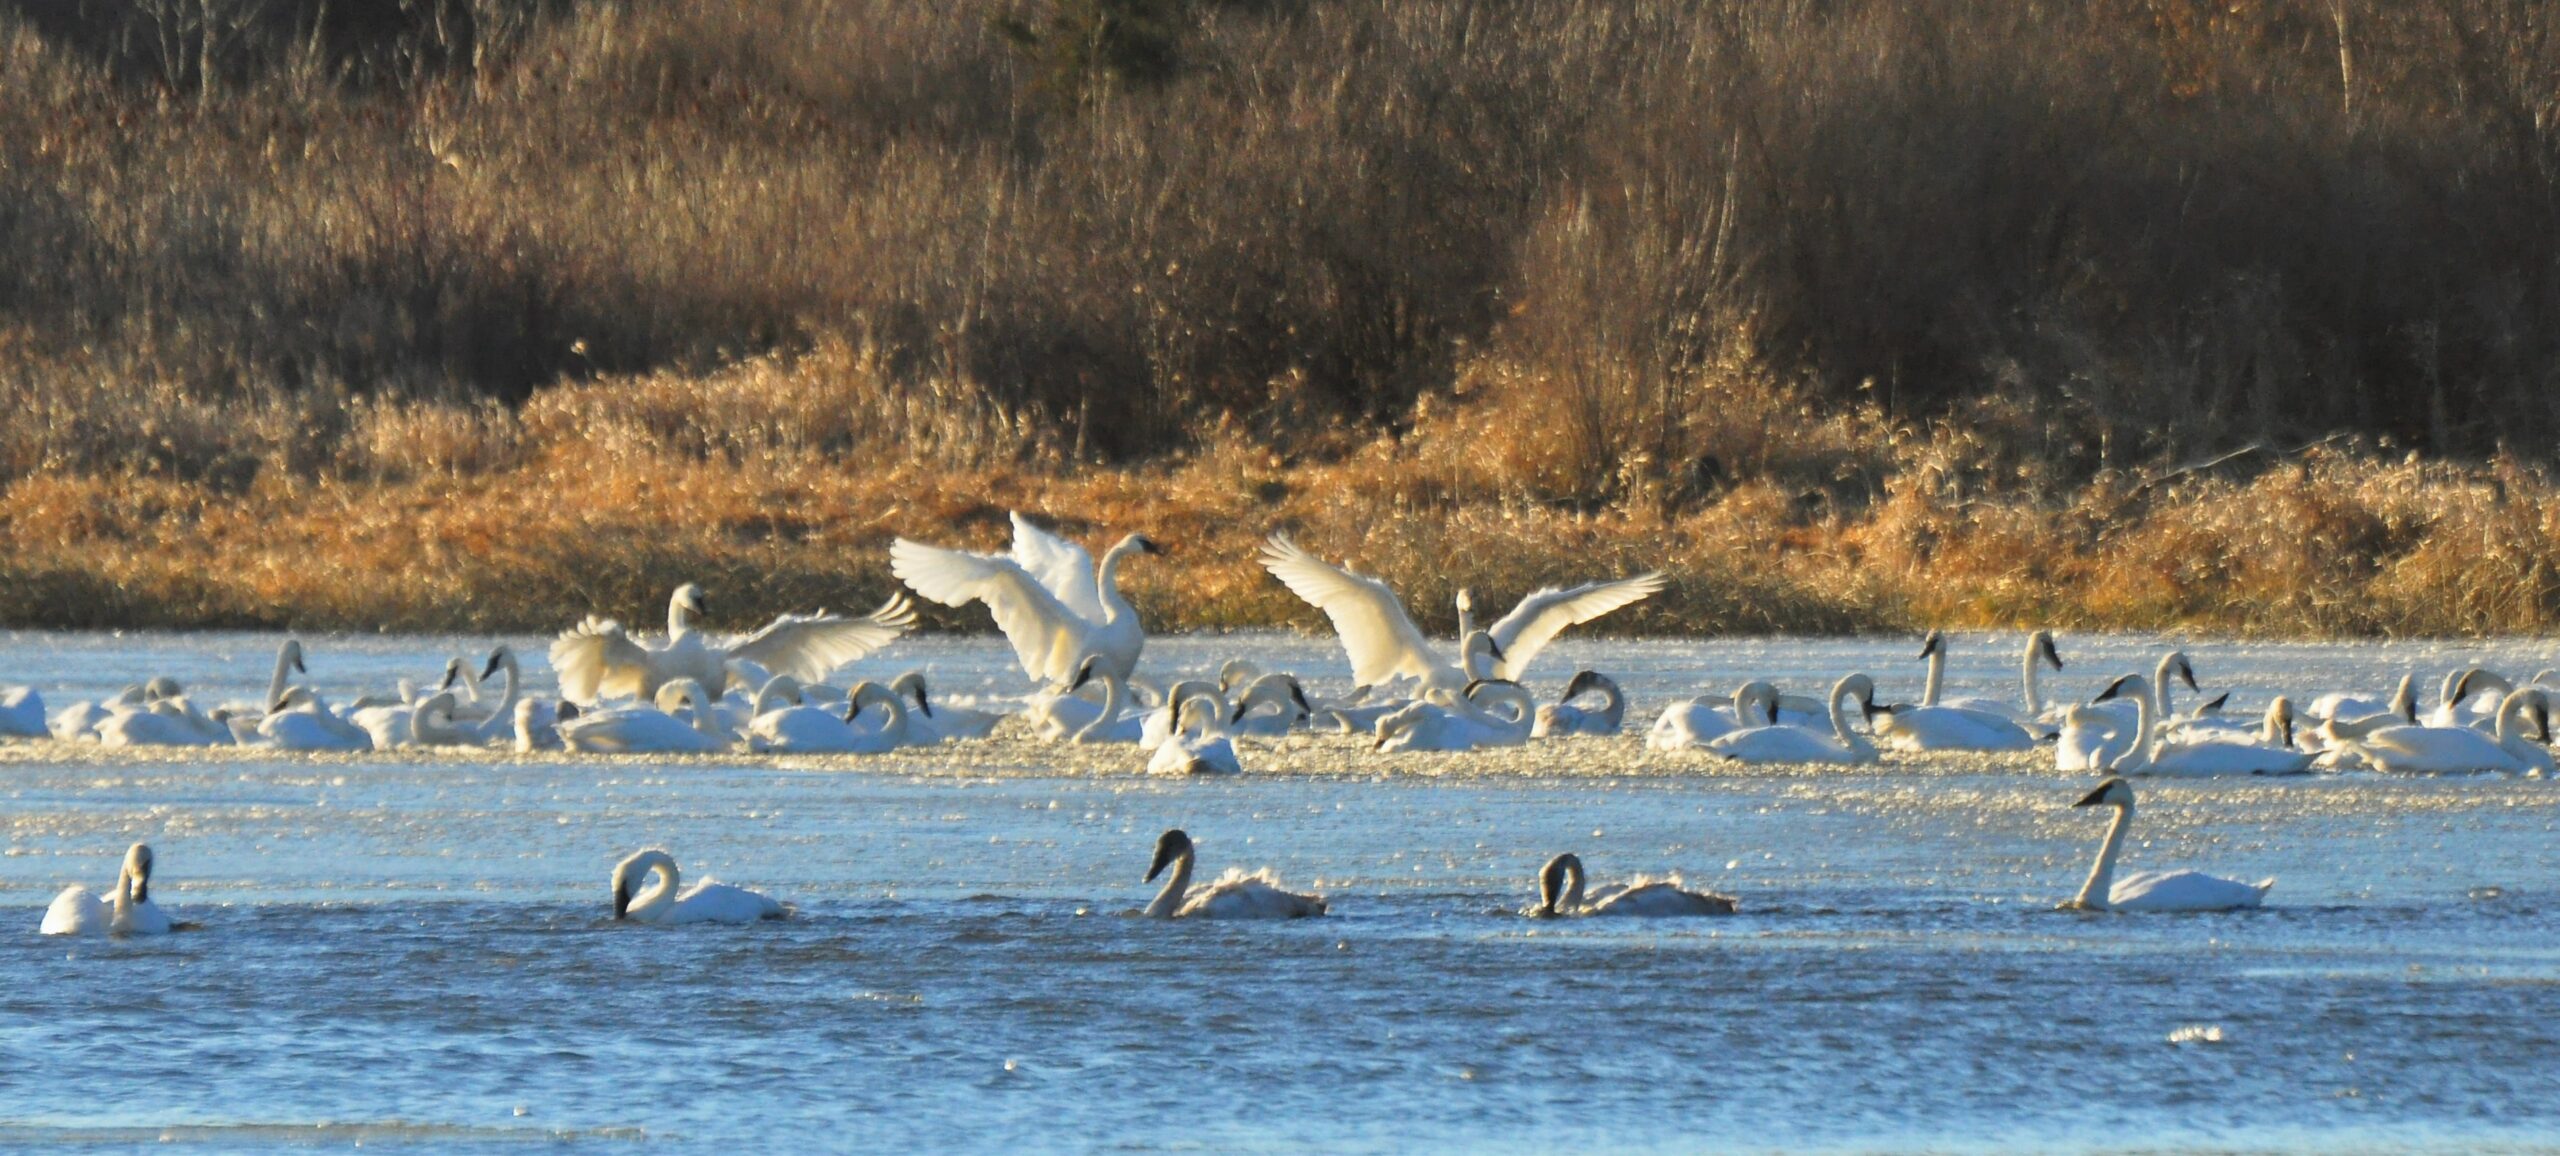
(894, 726)
(507, 690)
(2147, 739)
(1616, 711)
(1168, 901)
(1840, 722)
(653, 900)
(2032, 679)
(1107, 583)
(276, 683)
(1115, 694)
(1937, 677)
(2102, 874)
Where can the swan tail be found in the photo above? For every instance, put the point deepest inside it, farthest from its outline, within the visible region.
(2265, 885)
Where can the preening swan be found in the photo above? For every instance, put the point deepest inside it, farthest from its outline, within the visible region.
(1787, 744)
(1383, 643)
(677, 723)
(128, 911)
(1561, 717)
(1198, 744)
(1701, 720)
(600, 658)
(1234, 896)
(707, 902)
(22, 713)
(1289, 707)
(1062, 715)
(1560, 885)
(1048, 597)
(2151, 890)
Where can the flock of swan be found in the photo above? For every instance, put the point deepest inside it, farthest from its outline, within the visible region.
(1079, 639)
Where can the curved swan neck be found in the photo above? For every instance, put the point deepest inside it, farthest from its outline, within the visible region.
(2147, 739)
(507, 690)
(660, 869)
(1168, 901)
(1106, 580)
(1475, 655)
(2102, 874)
(1840, 695)
(894, 726)
(1115, 694)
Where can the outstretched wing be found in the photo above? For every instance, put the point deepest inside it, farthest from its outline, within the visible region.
(809, 647)
(1380, 638)
(1046, 635)
(1544, 614)
(598, 658)
(1063, 568)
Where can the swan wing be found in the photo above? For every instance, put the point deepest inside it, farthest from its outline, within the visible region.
(1255, 896)
(1047, 635)
(1545, 613)
(2184, 891)
(1062, 567)
(75, 912)
(1376, 633)
(710, 902)
(1935, 728)
(810, 647)
(1656, 899)
(599, 658)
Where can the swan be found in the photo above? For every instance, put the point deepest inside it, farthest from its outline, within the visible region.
(647, 729)
(2461, 689)
(2039, 654)
(930, 723)
(1282, 692)
(167, 722)
(82, 719)
(2093, 737)
(1048, 597)
(600, 658)
(2173, 752)
(2348, 706)
(1161, 722)
(1462, 722)
(1693, 724)
(1198, 745)
(1561, 717)
(1063, 715)
(1234, 896)
(707, 902)
(784, 724)
(1948, 728)
(537, 724)
(301, 722)
(22, 713)
(1383, 643)
(2420, 749)
(2151, 890)
(1560, 893)
(1786, 744)
(129, 912)
(496, 718)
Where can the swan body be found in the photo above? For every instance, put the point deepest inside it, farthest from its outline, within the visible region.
(2268, 751)
(128, 911)
(1079, 720)
(1949, 728)
(1699, 721)
(1561, 717)
(2470, 698)
(22, 713)
(1787, 744)
(1053, 603)
(537, 724)
(599, 658)
(651, 729)
(707, 902)
(1560, 893)
(302, 722)
(1383, 643)
(2452, 749)
(2094, 736)
(1198, 745)
(1234, 896)
(2152, 890)
(165, 723)
(1466, 721)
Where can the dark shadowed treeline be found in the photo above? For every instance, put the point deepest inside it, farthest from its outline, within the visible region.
(1636, 258)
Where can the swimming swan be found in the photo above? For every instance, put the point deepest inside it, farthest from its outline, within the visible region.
(1701, 720)
(2268, 751)
(1561, 717)
(708, 902)
(1048, 597)
(1787, 744)
(2151, 890)
(600, 659)
(129, 912)
(1383, 643)
(1234, 896)
(1560, 894)
(675, 723)
(302, 722)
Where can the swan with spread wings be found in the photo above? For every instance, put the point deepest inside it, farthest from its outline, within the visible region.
(600, 659)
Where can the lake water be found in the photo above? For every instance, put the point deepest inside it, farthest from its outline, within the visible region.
(413, 949)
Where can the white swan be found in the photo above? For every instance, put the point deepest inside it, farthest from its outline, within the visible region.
(81, 720)
(2347, 706)
(1048, 597)
(1560, 885)
(676, 723)
(785, 725)
(2418, 749)
(495, 721)
(302, 722)
(2093, 737)
(1164, 720)
(2039, 654)
(1198, 744)
(2268, 751)
(707, 902)
(944, 722)
(1287, 699)
(600, 658)
(1234, 896)
(1462, 722)
(2463, 688)
(537, 724)
(1383, 643)
(166, 722)
(2151, 890)
(1693, 724)
(1786, 744)
(1064, 716)
(1561, 717)
(130, 911)
(22, 713)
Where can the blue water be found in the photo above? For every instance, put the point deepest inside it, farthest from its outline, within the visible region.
(414, 949)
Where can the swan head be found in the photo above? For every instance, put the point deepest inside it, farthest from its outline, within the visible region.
(1935, 643)
(677, 694)
(137, 864)
(1236, 672)
(291, 655)
(452, 673)
(2042, 642)
(1084, 673)
(2476, 680)
(500, 658)
(1861, 689)
(1554, 878)
(1171, 845)
(1485, 641)
(1466, 601)
(163, 687)
(2212, 705)
(689, 598)
(2111, 791)
(2125, 686)
(1139, 543)
(912, 684)
(1585, 681)
(2175, 664)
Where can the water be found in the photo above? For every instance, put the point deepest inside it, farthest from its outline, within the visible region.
(413, 949)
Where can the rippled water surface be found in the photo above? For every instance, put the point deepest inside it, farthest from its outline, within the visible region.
(413, 949)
